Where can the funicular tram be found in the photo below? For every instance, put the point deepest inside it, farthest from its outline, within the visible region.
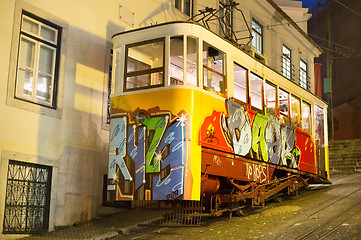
(193, 117)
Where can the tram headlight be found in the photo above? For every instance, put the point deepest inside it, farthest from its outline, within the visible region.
(140, 116)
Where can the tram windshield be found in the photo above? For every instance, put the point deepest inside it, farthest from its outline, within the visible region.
(144, 65)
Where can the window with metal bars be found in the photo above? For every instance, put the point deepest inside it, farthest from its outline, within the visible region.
(257, 36)
(286, 62)
(27, 200)
(304, 75)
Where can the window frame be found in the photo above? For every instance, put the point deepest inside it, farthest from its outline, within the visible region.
(299, 122)
(257, 33)
(173, 80)
(222, 74)
(310, 118)
(288, 105)
(38, 43)
(143, 72)
(182, 6)
(250, 94)
(288, 59)
(276, 96)
(304, 83)
(247, 85)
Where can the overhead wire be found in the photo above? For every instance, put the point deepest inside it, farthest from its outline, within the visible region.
(288, 23)
(348, 8)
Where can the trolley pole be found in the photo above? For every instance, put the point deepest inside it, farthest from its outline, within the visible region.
(329, 77)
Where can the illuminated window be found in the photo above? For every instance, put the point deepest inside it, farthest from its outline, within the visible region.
(296, 111)
(185, 6)
(271, 98)
(306, 116)
(144, 65)
(286, 63)
(319, 133)
(192, 69)
(284, 103)
(38, 61)
(213, 72)
(256, 91)
(304, 75)
(240, 83)
(257, 34)
(176, 60)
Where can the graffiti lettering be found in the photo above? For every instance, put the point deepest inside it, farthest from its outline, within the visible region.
(146, 156)
(238, 127)
(170, 138)
(172, 195)
(257, 173)
(217, 160)
(210, 134)
(164, 182)
(258, 131)
(270, 141)
(158, 125)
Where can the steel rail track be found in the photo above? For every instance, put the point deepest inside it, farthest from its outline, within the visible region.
(339, 216)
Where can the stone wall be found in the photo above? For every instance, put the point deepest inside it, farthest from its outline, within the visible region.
(345, 156)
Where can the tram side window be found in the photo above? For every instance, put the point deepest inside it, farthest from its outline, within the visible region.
(306, 116)
(144, 65)
(176, 60)
(192, 70)
(240, 83)
(213, 72)
(271, 99)
(320, 136)
(296, 111)
(283, 97)
(256, 91)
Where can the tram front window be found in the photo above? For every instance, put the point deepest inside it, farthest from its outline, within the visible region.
(192, 44)
(176, 60)
(144, 65)
(213, 73)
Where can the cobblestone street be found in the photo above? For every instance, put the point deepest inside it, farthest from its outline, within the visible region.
(319, 212)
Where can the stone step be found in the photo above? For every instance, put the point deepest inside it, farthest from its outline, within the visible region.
(345, 164)
(351, 156)
(345, 169)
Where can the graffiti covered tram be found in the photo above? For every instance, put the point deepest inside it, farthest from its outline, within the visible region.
(193, 117)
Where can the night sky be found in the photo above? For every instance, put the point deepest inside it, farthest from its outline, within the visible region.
(311, 3)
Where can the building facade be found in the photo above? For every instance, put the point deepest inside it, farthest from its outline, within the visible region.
(55, 75)
(340, 62)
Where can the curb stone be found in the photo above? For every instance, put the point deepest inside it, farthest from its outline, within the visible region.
(104, 236)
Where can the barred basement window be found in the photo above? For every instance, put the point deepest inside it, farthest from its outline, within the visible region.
(38, 61)
(27, 200)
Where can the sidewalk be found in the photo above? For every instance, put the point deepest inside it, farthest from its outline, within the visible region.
(100, 228)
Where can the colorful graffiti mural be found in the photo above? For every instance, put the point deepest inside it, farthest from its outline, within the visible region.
(250, 134)
(146, 161)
